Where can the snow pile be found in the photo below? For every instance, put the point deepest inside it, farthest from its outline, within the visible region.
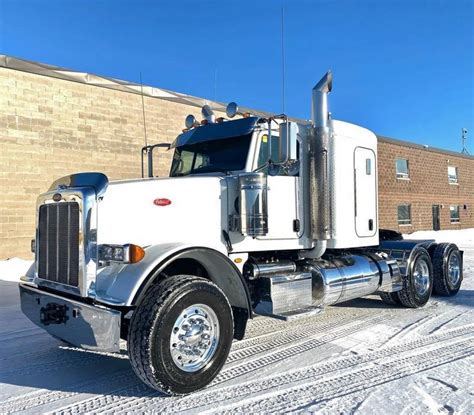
(462, 237)
(14, 268)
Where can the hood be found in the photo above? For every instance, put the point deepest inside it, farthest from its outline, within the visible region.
(130, 211)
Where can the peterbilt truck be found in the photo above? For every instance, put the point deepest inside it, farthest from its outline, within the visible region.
(260, 216)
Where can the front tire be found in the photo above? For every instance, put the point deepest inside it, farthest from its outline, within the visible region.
(180, 335)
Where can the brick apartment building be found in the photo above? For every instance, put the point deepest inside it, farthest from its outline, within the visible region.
(54, 122)
(422, 188)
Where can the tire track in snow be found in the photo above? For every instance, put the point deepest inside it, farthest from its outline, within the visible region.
(410, 329)
(215, 397)
(53, 361)
(291, 334)
(265, 325)
(446, 322)
(279, 354)
(44, 396)
(127, 380)
(117, 400)
(301, 397)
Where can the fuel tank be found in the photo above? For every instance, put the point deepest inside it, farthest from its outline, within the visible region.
(343, 278)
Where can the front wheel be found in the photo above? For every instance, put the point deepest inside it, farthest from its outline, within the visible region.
(180, 335)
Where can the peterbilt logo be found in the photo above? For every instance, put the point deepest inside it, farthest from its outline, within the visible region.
(57, 197)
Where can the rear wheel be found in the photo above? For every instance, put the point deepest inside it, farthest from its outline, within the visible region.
(180, 335)
(390, 298)
(447, 269)
(418, 283)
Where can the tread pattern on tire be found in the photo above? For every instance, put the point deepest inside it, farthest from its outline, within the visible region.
(139, 340)
(390, 298)
(406, 295)
(440, 285)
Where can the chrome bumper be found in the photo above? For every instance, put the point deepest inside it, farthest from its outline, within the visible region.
(83, 325)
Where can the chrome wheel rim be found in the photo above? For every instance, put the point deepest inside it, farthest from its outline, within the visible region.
(421, 277)
(454, 269)
(194, 337)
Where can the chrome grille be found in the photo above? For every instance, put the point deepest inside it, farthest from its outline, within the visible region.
(58, 243)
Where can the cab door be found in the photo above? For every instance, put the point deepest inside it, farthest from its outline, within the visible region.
(283, 220)
(365, 192)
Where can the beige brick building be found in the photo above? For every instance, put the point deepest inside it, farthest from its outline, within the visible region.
(54, 122)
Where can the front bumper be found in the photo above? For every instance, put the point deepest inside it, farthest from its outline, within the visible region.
(83, 325)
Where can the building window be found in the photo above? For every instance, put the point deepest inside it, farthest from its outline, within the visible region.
(404, 214)
(454, 214)
(452, 174)
(401, 166)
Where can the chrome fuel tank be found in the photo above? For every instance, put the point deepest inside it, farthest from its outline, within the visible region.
(344, 278)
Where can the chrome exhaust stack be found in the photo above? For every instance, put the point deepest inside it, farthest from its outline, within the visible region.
(319, 104)
(319, 191)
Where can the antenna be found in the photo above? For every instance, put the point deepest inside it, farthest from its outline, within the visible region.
(283, 59)
(464, 138)
(215, 83)
(143, 109)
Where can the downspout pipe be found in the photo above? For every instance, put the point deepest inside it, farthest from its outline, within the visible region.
(320, 134)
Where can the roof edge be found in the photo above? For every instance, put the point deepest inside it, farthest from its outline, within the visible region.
(52, 71)
(423, 147)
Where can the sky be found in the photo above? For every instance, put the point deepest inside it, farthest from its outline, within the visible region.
(403, 69)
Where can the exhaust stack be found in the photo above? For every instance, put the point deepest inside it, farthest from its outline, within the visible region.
(319, 107)
(319, 191)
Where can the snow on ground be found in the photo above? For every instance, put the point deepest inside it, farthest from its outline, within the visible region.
(357, 357)
(12, 269)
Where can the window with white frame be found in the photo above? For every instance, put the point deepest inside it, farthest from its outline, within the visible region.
(452, 174)
(454, 213)
(401, 166)
(404, 214)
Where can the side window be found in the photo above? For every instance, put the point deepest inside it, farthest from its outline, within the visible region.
(263, 155)
(401, 166)
(454, 213)
(452, 174)
(183, 163)
(202, 160)
(404, 214)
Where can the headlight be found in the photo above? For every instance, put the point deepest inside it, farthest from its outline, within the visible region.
(126, 254)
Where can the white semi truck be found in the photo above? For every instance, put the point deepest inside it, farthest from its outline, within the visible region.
(259, 216)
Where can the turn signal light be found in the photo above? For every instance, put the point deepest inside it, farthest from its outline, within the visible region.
(136, 253)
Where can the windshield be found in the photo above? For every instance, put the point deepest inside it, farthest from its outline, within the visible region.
(221, 155)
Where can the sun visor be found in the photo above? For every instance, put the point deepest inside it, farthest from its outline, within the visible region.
(216, 131)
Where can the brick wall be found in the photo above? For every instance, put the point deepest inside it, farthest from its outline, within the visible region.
(52, 127)
(426, 186)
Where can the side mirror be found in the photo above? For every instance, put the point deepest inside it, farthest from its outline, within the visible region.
(288, 142)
